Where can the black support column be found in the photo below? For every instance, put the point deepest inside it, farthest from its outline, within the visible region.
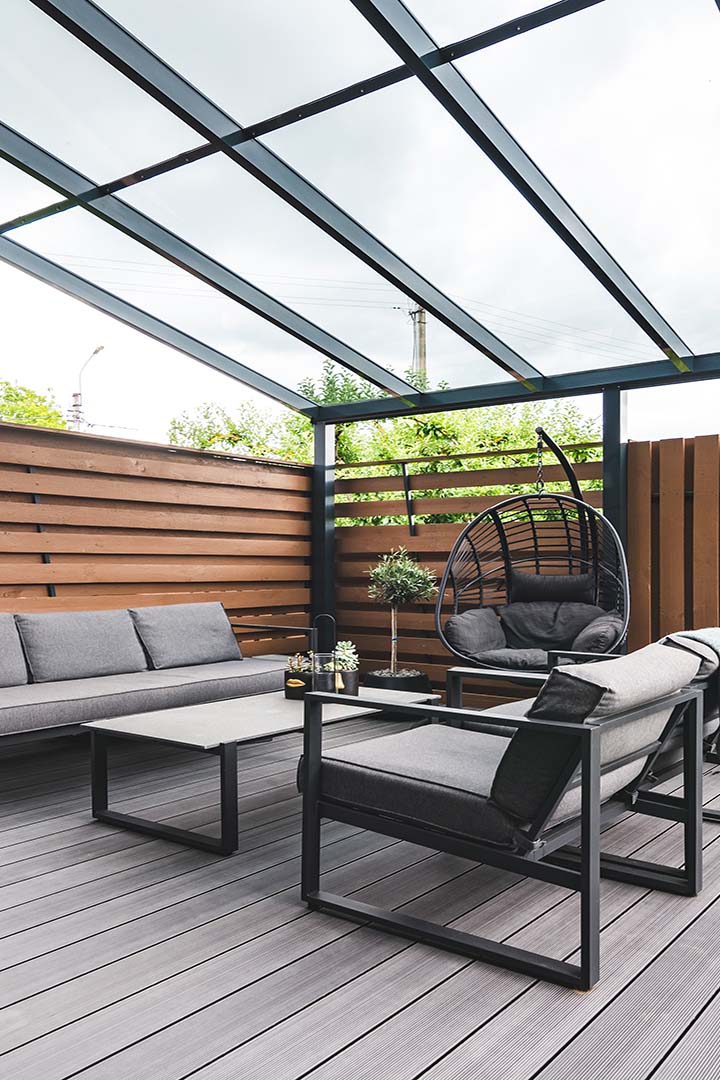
(615, 459)
(323, 530)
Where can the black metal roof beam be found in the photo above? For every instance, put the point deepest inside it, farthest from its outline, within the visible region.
(464, 47)
(49, 272)
(18, 150)
(403, 33)
(575, 384)
(128, 55)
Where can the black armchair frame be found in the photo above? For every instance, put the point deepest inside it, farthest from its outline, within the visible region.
(544, 853)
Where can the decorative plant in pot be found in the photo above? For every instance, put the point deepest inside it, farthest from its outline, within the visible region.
(337, 672)
(298, 675)
(398, 579)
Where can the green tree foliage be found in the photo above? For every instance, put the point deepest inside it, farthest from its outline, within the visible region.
(398, 578)
(21, 405)
(250, 430)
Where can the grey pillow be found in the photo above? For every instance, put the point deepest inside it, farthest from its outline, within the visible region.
(513, 659)
(176, 635)
(475, 631)
(601, 634)
(545, 624)
(534, 761)
(526, 588)
(80, 644)
(13, 671)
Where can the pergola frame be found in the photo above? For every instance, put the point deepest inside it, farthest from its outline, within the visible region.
(432, 65)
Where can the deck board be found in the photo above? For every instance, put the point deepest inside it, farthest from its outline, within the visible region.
(124, 957)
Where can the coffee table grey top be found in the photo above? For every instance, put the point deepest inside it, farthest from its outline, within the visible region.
(204, 727)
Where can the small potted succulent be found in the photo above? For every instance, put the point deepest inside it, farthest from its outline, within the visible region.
(347, 663)
(398, 579)
(298, 675)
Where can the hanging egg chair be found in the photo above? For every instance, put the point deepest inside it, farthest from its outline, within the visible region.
(535, 573)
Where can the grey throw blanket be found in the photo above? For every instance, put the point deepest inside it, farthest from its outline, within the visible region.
(709, 638)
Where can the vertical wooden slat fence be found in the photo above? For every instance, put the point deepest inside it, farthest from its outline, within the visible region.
(111, 523)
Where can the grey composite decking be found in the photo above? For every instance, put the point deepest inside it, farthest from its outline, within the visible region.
(127, 958)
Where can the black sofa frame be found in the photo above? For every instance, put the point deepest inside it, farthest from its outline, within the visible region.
(546, 854)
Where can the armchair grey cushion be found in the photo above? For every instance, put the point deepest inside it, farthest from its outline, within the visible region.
(80, 644)
(545, 624)
(601, 634)
(13, 670)
(434, 775)
(176, 635)
(513, 659)
(535, 760)
(475, 631)
(527, 588)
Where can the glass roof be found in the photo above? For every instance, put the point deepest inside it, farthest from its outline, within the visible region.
(513, 284)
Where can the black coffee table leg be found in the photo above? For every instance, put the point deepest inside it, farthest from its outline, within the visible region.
(228, 841)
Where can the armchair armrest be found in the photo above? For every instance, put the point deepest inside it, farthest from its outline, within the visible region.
(456, 676)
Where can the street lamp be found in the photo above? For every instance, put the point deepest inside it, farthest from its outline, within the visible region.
(77, 402)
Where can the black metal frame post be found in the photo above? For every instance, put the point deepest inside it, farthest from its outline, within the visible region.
(614, 435)
(227, 754)
(323, 531)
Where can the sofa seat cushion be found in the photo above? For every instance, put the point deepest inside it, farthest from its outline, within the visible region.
(175, 635)
(13, 669)
(432, 775)
(75, 701)
(545, 624)
(80, 644)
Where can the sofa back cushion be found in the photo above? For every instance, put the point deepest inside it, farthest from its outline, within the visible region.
(545, 624)
(534, 761)
(80, 644)
(177, 635)
(13, 670)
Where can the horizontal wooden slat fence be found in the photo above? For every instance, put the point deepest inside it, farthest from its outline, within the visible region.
(438, 494)
(103, 523)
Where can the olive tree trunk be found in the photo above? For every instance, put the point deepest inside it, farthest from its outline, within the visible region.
(393, 639)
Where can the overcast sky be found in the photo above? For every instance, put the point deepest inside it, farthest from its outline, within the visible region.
(619, 105)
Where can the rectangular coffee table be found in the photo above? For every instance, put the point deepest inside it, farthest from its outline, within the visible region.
(215, 728)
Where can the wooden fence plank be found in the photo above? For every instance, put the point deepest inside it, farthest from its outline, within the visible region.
(706, 531)
(639, 551)
(671, 537)
(179, 519)
(509, 475)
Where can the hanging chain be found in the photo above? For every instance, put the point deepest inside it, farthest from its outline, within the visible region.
(540, 482)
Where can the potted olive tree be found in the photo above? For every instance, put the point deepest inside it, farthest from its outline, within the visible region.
(399, 579)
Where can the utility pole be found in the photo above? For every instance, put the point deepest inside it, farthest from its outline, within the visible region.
(76, 409)
(418, 316)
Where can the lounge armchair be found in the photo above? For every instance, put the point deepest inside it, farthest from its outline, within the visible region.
(580, 756)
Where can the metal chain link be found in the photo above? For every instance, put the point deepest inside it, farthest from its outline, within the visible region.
(540, 482)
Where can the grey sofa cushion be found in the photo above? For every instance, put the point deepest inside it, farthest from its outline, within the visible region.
(535, 760)
(601, 634)
(178, 634)
(475, 631)
(75, 701)
(545, 624)
(560, 587)
(13, 670)
(80, 644)
(435, 775)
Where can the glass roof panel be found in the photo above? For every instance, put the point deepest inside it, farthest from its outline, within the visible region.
(103, 255)
(58, 93)
(257, 59)
(453, 20)
(405, 169)
(20, 193)
(251, 230)
(620, 106)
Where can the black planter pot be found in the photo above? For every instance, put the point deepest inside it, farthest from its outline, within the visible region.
(296, 693)
(419, 683)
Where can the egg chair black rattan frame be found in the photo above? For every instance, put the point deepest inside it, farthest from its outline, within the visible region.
(538, 533)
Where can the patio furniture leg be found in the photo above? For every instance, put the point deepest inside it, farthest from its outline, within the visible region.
(312, 749)
(98, 772)
(692, 791)
(590, 866)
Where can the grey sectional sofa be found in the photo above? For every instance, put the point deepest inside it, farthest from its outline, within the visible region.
(58, 670)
